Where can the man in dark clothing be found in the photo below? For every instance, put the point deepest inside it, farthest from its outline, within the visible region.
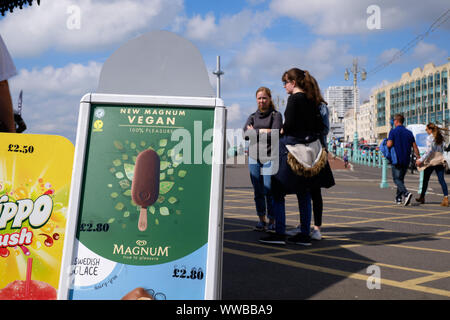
(402, 140)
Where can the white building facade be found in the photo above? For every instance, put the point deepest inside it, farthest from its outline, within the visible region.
(340, 100)
(366, 122)
(349, 125)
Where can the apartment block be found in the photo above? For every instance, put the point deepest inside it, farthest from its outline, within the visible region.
(421, 96)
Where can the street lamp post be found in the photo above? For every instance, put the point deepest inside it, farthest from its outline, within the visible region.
(444, 93)
(419, 111)
(444, 118)
(355, 70)
(218, 73)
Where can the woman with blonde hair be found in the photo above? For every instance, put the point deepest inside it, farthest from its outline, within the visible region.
(433, 160)
(258, 129)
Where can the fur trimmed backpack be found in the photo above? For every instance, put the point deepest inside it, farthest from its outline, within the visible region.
(307, 159)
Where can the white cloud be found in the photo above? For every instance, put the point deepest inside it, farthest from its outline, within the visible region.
(262, 63)
(55, 115)
(421, 54)
(236, 118)
(52, 95)
(102, 23)
(331, 17)
(72, 79)
(325, 56)
(201, 29)
(263, 59)
(428, 52)
(388, 54)
(325, 16)
(234, 113)
(229, 29)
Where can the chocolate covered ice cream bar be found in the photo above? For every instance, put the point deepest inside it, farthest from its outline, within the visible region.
(145, 184)
(138, 294)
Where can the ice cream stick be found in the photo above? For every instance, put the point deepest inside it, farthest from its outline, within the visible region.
(142, 224)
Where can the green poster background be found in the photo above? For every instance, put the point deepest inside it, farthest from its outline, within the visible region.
(178, 220)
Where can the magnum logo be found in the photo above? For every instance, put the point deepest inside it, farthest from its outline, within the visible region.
(141, 251)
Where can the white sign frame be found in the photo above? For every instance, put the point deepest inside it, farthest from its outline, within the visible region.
(213, 280)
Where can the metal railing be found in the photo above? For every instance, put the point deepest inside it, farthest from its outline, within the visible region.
(370, 158)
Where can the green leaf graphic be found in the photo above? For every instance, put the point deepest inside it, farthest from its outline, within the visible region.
(165, 186)
(129, 170)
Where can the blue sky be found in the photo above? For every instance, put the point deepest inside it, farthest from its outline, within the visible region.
(257, 40)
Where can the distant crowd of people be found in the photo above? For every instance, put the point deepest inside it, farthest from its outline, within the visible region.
(291, 157)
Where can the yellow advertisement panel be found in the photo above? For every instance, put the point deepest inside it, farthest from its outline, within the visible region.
(35, 175)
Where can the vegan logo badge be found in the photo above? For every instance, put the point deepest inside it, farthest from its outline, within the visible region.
(98, 126)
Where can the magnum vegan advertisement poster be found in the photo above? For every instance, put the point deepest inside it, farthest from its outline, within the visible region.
(144, 208)
(35, 178)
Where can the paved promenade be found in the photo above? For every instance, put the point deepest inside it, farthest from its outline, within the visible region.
(364, 235)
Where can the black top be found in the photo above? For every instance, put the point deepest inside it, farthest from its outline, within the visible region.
(270, 119)
(302, 118)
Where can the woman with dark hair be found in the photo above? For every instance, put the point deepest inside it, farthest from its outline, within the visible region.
(316, 192)
(258, 129)
(433, 160)
(303, 164)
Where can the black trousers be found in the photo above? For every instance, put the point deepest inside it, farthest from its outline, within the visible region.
(317, 204)
(440, 172)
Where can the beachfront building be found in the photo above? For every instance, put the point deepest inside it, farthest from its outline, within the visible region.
(421, 96)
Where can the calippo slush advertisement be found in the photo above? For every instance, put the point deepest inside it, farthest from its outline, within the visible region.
(35, 175)
(144, 205)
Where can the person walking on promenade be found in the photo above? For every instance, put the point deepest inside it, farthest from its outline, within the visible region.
(433, 160)
(258, 130)
(334, 150)
(7, 70)
(402, 140)
(302, 159)
(345, 159)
